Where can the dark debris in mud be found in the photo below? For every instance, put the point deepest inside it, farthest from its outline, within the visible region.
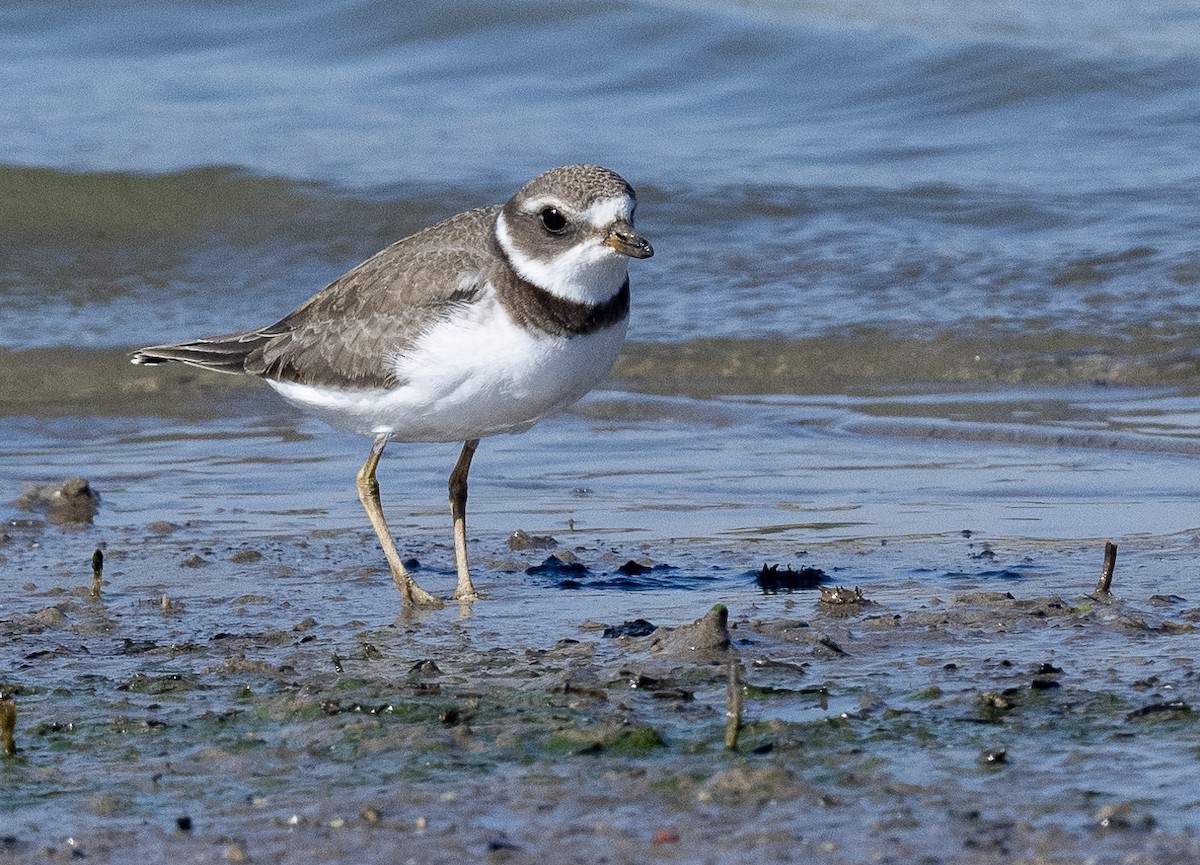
(568, 571)
(558, 565)
(632, 628)
(772, 580)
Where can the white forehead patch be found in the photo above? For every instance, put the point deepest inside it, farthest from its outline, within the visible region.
(607, 210)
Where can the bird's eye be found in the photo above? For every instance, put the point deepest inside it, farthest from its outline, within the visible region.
(553, 220)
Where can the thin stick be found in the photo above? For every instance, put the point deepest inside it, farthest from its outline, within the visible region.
(8, 727)
(733, 703)
(97, 572)
(1110, 565)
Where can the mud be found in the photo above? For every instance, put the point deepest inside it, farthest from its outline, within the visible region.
(170, 718)
(70, 503)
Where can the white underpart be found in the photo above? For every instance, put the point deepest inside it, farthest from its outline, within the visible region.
(476, 374)
(588, 272)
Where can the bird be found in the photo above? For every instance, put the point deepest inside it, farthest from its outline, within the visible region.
(482, 324)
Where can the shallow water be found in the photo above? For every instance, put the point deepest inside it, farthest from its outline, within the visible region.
(974, 171)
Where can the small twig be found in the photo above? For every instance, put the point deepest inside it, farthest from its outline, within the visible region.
(97, 572)
(8, 727)
(1110, 565)
(733, 703)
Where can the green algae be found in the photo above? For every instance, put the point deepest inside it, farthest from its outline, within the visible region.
(163, 683)
(638, 740)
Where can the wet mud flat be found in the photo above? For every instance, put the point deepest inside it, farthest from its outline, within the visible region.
(580, 714)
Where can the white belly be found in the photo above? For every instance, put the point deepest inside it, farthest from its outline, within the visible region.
(469, 378)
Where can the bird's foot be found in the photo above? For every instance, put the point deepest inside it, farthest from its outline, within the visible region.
(465, 590)
(412, 595)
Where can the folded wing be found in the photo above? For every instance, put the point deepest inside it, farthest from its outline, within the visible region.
(346, 334)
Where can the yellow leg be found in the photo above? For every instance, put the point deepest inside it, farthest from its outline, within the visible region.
(368, 493)
(465, 590)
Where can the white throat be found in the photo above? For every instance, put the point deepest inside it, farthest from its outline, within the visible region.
(588, 272)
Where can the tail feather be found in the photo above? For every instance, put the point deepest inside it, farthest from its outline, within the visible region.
(226, 354)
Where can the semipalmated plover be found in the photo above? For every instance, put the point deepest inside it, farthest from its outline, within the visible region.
(482, 324)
